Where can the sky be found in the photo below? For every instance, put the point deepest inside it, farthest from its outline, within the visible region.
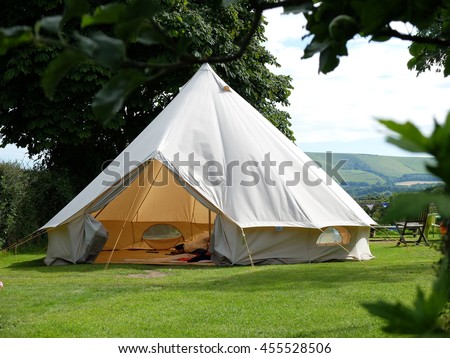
(337, 112)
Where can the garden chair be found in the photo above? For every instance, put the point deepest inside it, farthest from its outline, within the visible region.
(414, 226)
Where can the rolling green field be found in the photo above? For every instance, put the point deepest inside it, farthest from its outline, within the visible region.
(306, 300)
(360, 176)
(385, 167)
(367, 175)
(394, 166)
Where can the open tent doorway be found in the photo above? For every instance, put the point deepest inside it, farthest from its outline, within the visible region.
(140, 231)
(133, 211)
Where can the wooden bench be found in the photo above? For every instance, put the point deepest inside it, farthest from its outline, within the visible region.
(414, 226)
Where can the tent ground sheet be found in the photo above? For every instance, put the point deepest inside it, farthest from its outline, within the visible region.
(149, 257)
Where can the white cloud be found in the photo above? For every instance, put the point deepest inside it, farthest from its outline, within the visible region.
(13, 154)
(278, 23)
(341, 107)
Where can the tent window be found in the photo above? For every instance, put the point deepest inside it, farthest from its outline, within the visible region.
(161, 232)
(162, 236)
(334, 236)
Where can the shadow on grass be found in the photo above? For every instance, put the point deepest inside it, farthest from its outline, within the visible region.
(38, 265)
(248, 279)
(331, 332)
(27, 264)
(263, 281)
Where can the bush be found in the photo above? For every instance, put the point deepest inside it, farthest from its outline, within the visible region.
(28, 199)
(13, 184)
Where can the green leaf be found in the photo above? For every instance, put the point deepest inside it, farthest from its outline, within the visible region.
(423, 318)
(182, 46)
(126, 30)
(143, 8)
(136, 13)
(107, 14)
(315, 47)
(411, 63)
(147, 35)
(422, 12)
(328, 60)
(377, 13)
(380, 38)
(58, 68)
(446, 68)
(407, 205)
(401, 206)
(106, 51)
(439, 143)
(51, 24)
(74, 9)
(405, 144)
(441, 288)
(443, 204)
(410, 138)
(400, 319)
(14, 36)
(412, 204)
(416, 49)
(110, 99)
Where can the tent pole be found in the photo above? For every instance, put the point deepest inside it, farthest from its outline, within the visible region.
(127, 218)
(348, 251)
(115, 245)
(248, 249)
(209, 223)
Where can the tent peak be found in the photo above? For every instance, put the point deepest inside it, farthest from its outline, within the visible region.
(206, 66)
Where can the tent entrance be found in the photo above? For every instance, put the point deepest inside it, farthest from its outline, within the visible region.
(154, 200)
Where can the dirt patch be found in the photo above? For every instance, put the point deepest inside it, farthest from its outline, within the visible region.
(148, 274)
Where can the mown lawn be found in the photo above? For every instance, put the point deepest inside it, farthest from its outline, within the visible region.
(308, 300)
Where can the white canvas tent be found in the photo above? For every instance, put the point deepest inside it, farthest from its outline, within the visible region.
(210, 164)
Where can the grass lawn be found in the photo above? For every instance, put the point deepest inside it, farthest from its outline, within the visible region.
(307, 300)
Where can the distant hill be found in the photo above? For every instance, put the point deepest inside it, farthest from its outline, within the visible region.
(364, 174)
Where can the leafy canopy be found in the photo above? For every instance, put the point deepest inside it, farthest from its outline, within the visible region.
(98, 72)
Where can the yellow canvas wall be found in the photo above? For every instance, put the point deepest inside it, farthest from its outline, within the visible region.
(155, 197)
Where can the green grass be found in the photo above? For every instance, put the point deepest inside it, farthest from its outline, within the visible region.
(360, 176)
(308, 300)
(392, 167)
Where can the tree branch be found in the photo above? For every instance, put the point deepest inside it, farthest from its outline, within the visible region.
(244, 43)
(190, 60)
(269, 6)
(259, 7)
(413, 38)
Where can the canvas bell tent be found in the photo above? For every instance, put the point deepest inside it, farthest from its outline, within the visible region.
(210, 165)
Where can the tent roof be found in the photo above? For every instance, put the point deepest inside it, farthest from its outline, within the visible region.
(239, 162)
